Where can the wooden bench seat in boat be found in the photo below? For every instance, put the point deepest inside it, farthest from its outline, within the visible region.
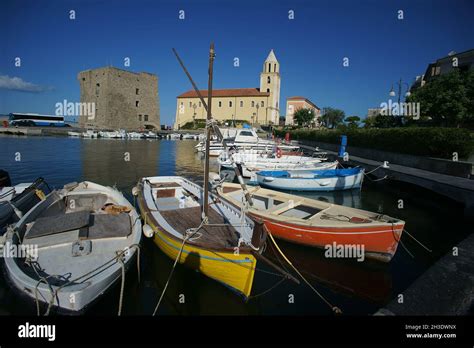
(213, 236)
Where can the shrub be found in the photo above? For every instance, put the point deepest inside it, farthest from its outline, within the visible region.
(421, 141)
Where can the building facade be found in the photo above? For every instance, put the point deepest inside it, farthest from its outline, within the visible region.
(123, 99)
(295, 103)
(252, 105)
(462, 61)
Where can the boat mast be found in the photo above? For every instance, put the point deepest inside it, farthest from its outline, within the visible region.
(208, 132)
(216, 130)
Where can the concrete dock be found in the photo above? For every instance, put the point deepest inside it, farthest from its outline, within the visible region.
(446, 288)
(456, 188)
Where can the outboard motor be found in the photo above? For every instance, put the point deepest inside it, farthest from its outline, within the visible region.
(4, 179)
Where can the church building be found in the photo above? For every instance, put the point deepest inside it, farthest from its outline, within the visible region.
(257, 106)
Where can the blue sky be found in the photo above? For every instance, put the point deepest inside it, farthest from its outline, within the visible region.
(311, 47)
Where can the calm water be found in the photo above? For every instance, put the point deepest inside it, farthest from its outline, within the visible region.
(357, 288)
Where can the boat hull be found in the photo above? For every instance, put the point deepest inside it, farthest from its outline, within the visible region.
(312, 184)
(380, 242)
(233, 269)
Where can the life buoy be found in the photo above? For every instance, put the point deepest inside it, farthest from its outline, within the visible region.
(278, 152)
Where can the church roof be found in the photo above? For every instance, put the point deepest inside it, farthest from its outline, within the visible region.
(234, 92)
(271, 57)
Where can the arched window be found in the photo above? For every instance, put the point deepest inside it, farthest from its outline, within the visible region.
(220, 104)
(241, 103)
(253, 104)
(230, 104)
(262, 104)
(275, 67)
(268, 90)
(269, 67)
(268, 79)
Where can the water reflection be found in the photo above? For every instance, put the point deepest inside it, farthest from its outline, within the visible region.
(357, 288)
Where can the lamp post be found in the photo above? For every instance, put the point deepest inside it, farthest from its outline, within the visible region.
(393, 94)
(194, 116)
(400, 85)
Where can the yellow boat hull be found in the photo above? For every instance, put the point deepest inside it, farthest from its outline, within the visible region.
(235, 270)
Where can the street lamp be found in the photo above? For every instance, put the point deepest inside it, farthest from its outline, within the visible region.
(393, 94)
(400, 85)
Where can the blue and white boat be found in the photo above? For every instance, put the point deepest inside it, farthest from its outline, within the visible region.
(312, 180)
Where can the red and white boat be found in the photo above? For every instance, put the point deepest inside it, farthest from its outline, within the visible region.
(320, 224)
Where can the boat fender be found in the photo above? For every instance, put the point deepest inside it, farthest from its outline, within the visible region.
(268, 179)
(278, 154)
(148, 231)
(135, 191)
(324, 183)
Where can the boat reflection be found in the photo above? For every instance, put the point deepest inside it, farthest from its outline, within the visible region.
(366, 280)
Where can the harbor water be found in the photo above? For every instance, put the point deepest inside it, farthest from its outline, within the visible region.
(358, 288)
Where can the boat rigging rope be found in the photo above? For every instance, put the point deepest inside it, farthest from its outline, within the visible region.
(335, 309)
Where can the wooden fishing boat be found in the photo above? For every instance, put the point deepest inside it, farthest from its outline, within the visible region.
(312, 180)
(223, 248)
(76, 243)
(319, 224)
(250, 170)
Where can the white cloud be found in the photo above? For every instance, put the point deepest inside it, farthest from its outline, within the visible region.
(17, 84)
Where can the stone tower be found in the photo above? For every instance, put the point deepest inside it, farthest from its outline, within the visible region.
(270, 83)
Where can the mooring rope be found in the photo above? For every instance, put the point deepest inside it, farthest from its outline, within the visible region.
(54, 293)
(335, 309)
(122, 286)
(186, 237)
(268, 290)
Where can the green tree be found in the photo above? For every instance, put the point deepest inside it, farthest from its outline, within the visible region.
(332, 117)
(369, 122)
(447, 99)
(352, 121)
(303, 116)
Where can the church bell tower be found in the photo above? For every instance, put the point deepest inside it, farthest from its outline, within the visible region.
(270, 83)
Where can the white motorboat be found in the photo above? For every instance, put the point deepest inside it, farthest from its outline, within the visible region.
(189, 136)
(90, 134)
(113, 134)
(150, 135)
(73, 134)
(77, 243)
(135, 135)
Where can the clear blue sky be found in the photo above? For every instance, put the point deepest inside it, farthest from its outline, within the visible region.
(310, 48)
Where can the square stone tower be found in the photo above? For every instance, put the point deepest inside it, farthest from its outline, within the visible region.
(123, 99)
